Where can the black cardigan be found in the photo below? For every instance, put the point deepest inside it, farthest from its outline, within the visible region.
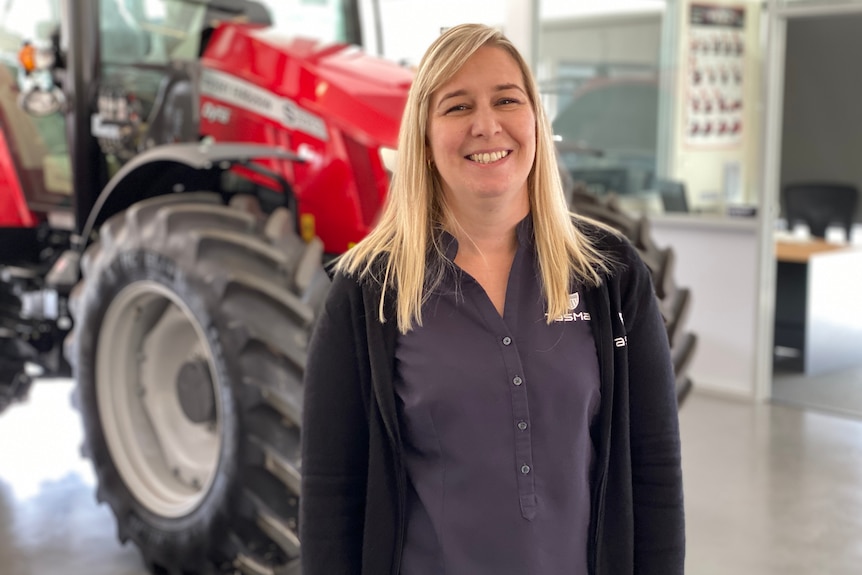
(352, 509)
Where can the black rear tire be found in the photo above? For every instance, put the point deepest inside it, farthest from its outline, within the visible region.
(674, 301)
(167, 271)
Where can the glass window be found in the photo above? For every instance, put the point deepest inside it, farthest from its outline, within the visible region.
(152, 32)
(29, 45)
(598, 71)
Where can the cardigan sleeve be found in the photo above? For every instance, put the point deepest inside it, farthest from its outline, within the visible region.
(334, 438)
(659, 525)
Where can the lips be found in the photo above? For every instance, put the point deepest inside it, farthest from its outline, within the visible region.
(488, 157)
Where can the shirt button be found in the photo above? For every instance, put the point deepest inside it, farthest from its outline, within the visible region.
(517, 380)
(522, 425)
(507, 340)
(525, 469)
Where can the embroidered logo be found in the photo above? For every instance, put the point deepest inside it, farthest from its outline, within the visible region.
(573, 314)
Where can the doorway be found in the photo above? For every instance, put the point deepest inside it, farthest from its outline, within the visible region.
(813, 122)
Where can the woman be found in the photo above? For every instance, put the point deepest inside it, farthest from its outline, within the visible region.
(489, 388)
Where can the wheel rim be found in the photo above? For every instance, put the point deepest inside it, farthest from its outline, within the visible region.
(167, 461)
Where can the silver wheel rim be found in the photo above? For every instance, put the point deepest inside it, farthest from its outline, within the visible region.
(167, 461)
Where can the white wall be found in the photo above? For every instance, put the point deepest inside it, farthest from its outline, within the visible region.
(410, 26)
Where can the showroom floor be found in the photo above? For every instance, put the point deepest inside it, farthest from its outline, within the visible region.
(50, 522)
(769, 490)
(839, 392)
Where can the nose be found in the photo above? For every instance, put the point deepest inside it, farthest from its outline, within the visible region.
(485, 122)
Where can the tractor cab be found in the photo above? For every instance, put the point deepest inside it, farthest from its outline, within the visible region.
(33, 137)
(133, 75)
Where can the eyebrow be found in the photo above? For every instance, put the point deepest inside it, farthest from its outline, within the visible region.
(497, 88)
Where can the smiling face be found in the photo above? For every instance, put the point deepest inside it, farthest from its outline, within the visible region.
(482, 132)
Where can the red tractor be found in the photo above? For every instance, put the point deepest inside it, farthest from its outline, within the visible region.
(172, 178)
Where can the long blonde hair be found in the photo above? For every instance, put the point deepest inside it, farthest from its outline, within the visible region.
(415, 211)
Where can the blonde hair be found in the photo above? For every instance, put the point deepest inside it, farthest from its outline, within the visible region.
(415, 211)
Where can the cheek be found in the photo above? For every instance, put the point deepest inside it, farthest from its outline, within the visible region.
(445, 144)
(528, 131)
(430, 134)
(530, 134)
(436, 139)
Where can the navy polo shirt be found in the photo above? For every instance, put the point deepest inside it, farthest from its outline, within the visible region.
(496, 414)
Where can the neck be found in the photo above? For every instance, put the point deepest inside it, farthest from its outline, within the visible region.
(487, 229)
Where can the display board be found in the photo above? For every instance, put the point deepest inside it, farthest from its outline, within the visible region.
(716, 63)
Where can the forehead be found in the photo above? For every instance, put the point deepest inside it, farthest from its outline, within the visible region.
(489, 65)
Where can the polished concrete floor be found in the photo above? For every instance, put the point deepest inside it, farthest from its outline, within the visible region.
(50, 522)
(836, 392)
(770, 490)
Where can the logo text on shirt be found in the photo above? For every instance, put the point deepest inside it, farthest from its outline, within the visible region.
(573, 314)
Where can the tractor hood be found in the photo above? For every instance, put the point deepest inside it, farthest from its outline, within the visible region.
(359, 94)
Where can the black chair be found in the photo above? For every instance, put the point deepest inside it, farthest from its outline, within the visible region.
(819, 205)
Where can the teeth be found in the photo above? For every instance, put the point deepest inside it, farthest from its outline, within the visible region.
(488, 158)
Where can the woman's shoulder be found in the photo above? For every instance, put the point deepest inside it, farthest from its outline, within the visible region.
(356, 285)
(620, 251)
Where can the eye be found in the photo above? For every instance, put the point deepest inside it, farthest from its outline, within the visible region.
(508, 101)
(456, 108)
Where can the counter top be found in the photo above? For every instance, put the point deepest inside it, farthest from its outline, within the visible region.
(704, 221)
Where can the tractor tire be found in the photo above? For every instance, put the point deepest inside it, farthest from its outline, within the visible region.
(674, 301)
(192, 322)
(14, 380)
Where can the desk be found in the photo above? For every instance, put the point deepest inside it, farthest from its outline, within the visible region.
(801, 251)
(818, 304)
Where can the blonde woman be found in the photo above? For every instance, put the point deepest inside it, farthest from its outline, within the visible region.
(489, 389)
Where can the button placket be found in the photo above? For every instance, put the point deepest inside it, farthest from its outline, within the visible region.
(523, 451)
(523, 440)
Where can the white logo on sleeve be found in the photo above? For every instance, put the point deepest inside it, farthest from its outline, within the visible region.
(621, 341)
(573, 314)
